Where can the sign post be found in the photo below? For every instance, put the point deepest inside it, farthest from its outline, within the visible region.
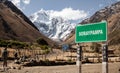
(79, 58)
(95, 32)
(104, 58)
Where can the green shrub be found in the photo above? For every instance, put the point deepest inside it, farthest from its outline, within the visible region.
(11, 44)
(44, 47)
(45, 51)
(69, 60)
(41, 41)
(3, 43)
(86, 59)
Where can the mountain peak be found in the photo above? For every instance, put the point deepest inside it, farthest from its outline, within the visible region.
(54, 27)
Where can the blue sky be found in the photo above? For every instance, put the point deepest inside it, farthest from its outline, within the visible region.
(88, 7)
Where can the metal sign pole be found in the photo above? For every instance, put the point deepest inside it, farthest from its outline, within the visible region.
(79, 58)
(105, 58)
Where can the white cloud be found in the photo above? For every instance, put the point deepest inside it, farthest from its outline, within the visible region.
(26, 1)
(118, 0)
(69, 14)
(100, 5)
(18, 3)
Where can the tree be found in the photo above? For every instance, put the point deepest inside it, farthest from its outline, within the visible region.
(41, 41)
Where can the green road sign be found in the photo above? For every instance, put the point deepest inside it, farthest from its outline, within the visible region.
(95, 32)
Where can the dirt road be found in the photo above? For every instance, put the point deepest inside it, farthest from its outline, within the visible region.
(86, 68)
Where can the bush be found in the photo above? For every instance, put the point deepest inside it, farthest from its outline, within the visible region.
(46, 51)
(11, 44)
(69, 60)
(41, 41)
(3, 43)
(44, 47)
(86, 60)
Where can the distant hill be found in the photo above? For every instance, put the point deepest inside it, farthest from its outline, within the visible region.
(14, 25)
(112, 15)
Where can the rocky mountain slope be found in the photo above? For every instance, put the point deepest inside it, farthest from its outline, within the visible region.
(56, 28)
(112, 15)
(14, 25)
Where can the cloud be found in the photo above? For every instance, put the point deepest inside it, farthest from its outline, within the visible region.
(69, 14)
(26, 1)
(100, 5)
(18, 3)
(118, 0)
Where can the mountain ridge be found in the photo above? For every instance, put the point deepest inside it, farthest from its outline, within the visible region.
(109, 14)
(56, 28)
(13, 25)
(19, 12)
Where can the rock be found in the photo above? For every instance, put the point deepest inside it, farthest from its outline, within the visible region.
(13, 67)
(19, 68)
(17, 62)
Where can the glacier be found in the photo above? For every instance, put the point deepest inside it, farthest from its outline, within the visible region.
(54, 27)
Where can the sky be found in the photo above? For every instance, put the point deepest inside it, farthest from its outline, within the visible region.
(68, 9)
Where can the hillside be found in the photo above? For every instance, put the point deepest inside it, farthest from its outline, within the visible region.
(10, 5)
(112, 15)
(14, 25)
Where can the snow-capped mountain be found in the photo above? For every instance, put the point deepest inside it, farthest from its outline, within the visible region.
(53, 27)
